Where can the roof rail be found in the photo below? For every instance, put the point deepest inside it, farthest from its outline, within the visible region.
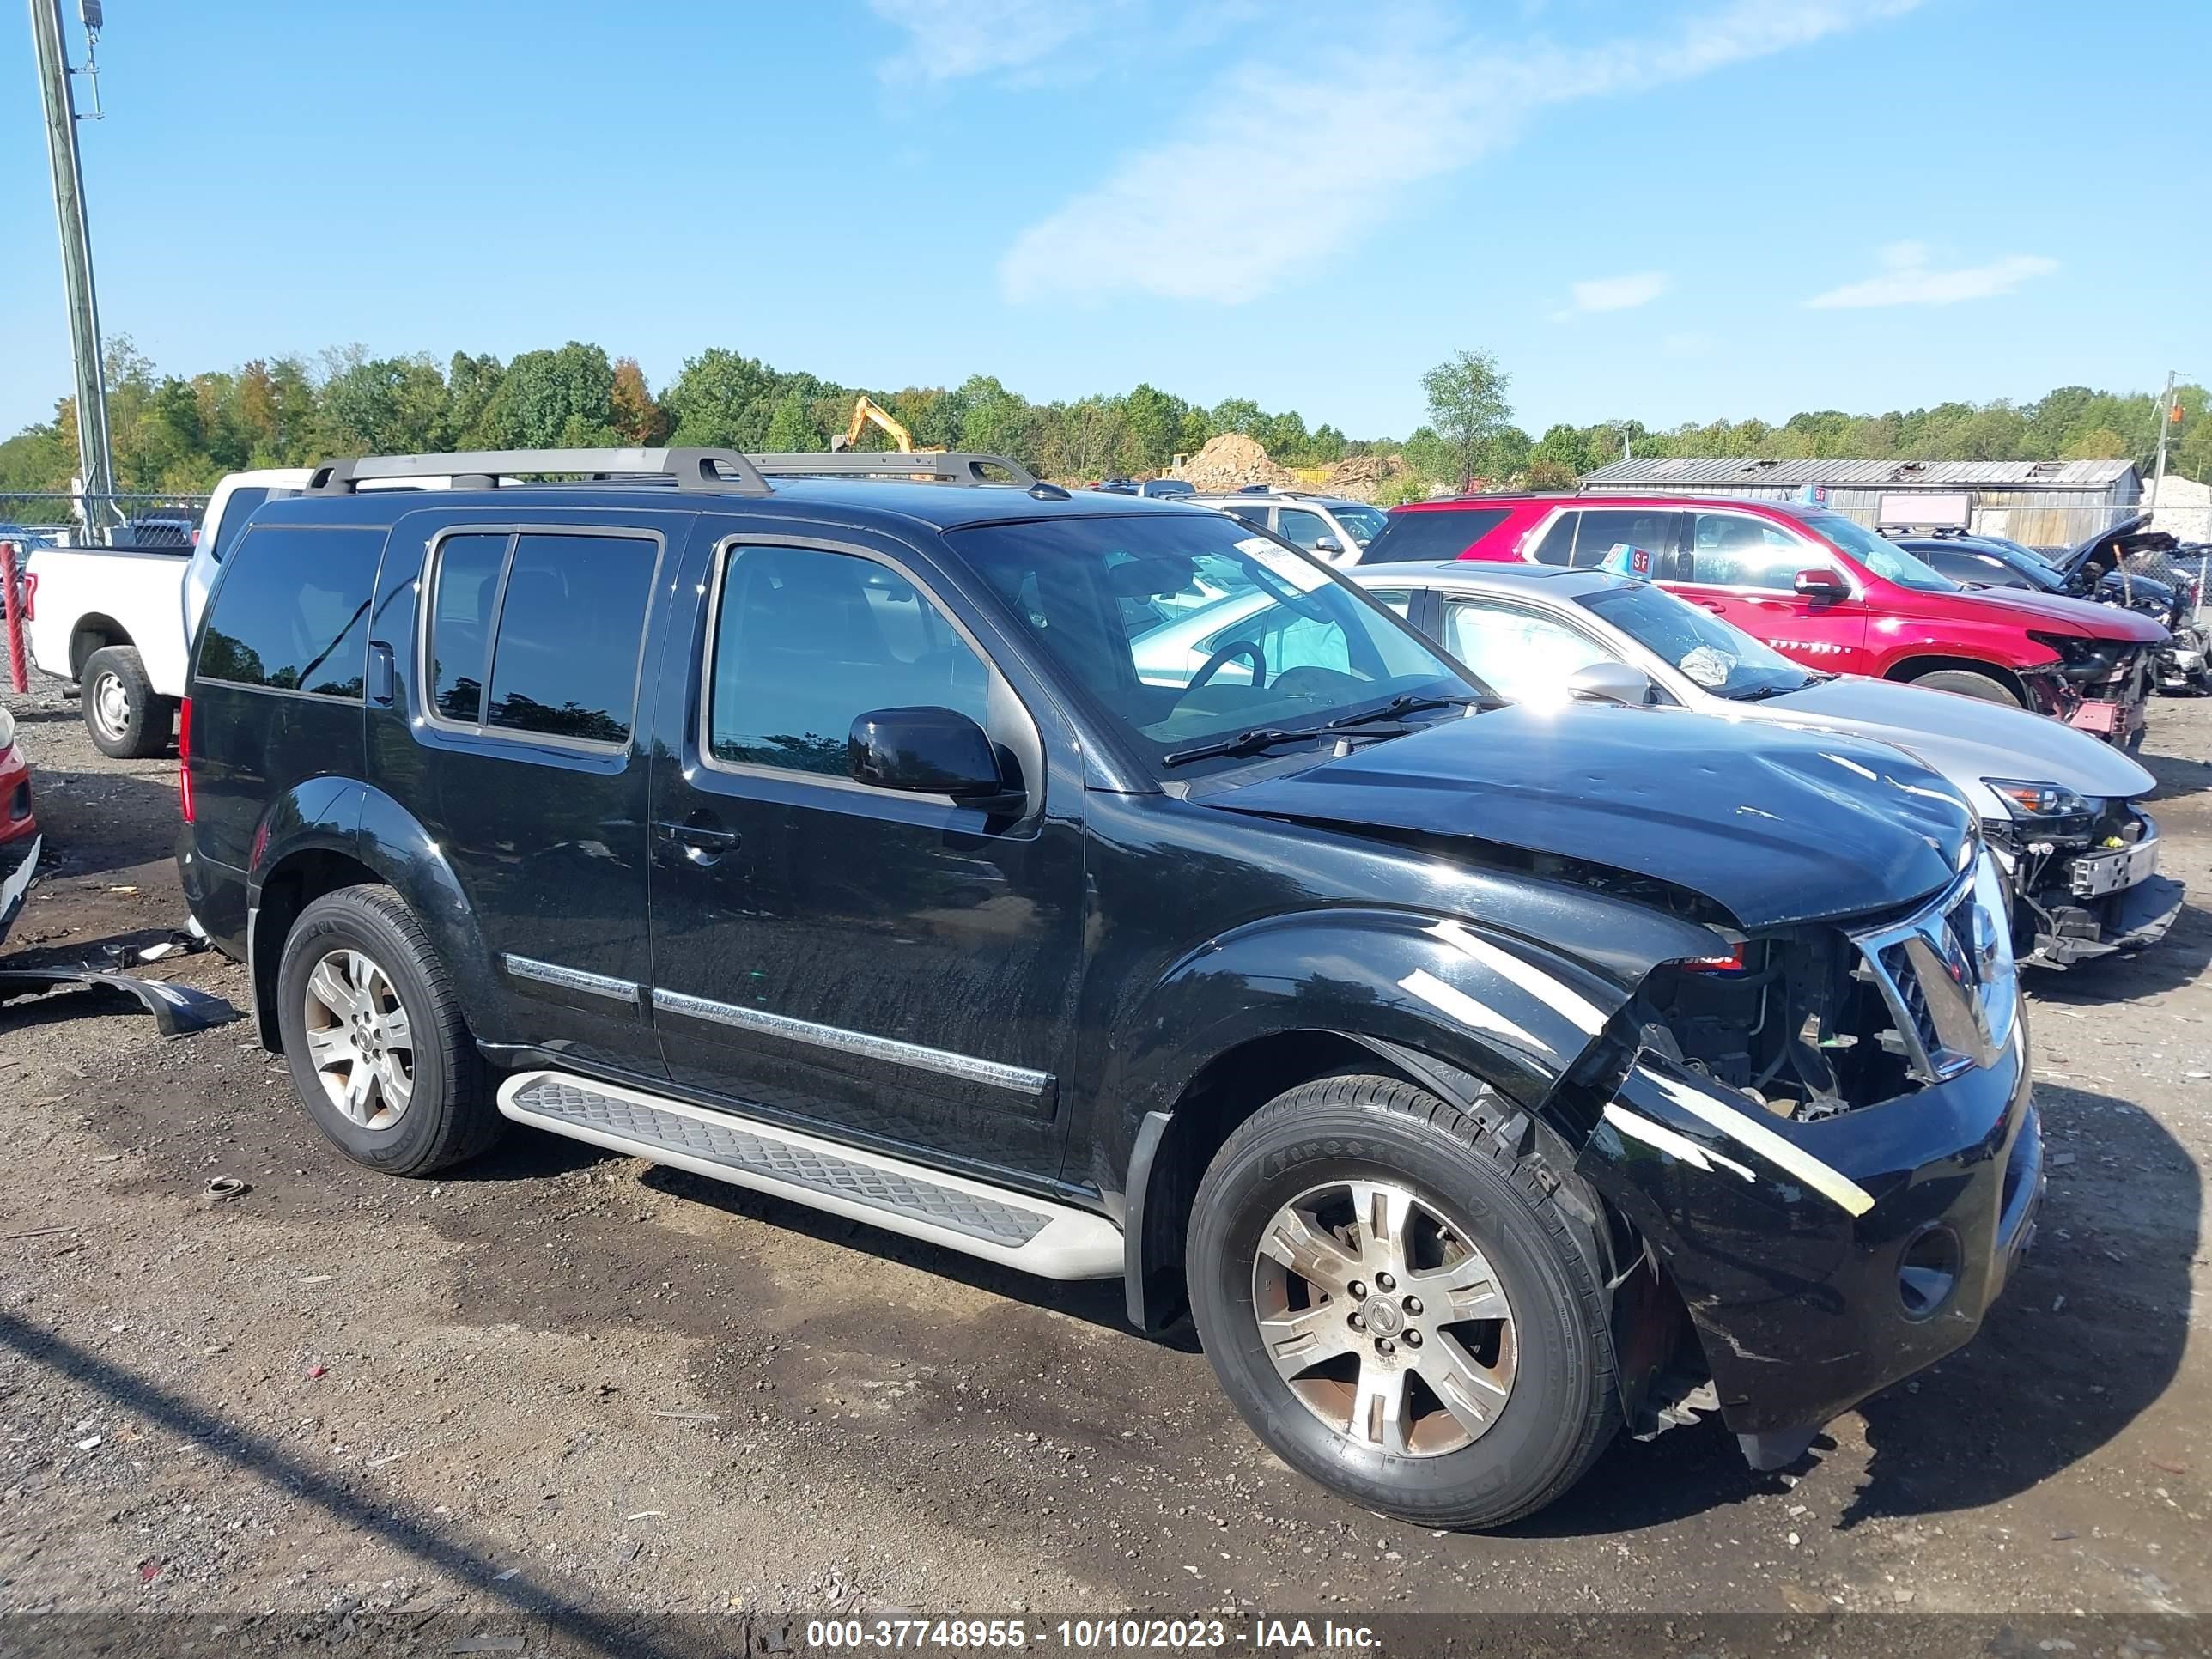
(711, 470)
(957, 466)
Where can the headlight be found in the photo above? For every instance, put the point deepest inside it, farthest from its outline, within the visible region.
(2080, 658)
(2026, 798)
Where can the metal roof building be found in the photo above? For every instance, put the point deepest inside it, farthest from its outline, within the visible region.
(2043, 503)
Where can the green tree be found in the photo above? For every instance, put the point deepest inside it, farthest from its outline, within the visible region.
(791, 428)
(994, 421)
(1469, 408)
(552, 399)
(2099, 443)
(1562, 452)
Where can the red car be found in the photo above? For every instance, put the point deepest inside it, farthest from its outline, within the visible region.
(1822, 588)
(17, 821)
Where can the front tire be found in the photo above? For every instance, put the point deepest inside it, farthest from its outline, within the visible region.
(374, 1040)
(128, 720)
(1398, 1307)
(1967, 684)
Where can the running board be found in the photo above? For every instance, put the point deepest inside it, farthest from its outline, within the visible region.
(1015, 1229)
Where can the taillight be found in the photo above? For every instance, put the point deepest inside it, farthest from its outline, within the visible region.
(185, 759)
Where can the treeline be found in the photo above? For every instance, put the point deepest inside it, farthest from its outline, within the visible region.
(2072, 423)
(175, 434)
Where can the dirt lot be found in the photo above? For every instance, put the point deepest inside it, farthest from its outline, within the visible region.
(569, 1383)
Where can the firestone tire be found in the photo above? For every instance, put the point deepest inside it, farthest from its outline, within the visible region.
(1562, 1409)
(126, 717)
(1968, 685)
(354, 957)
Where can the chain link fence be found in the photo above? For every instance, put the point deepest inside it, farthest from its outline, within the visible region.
(150, 520)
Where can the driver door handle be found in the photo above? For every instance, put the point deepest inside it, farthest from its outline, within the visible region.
(703, 843)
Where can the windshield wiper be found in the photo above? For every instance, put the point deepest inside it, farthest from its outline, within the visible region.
(1761, 693)
(1244, 742)
(1409, 703)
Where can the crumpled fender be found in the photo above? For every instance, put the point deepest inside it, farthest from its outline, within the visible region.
(1504, 1009)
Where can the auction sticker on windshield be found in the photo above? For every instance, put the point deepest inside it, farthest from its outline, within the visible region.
(1295, 568)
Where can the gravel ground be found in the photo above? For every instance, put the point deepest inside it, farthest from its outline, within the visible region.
(567, 1385)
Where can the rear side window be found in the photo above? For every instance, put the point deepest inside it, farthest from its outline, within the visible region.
(1421, 536)
(292, 613)
(539, 633)
(1557, 546)
(1652, 531)
(235, 512)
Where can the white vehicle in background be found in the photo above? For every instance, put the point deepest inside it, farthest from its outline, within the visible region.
(2063, 811)
(1334, 529)
(116, 622)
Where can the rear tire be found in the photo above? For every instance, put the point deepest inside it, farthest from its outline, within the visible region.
(1508, 1306)
(1966, 684)
(374, 1040)
(126, 717)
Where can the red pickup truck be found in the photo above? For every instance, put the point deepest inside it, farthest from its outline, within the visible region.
(1822, 588)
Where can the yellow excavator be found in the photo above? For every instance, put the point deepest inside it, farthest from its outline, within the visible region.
(867, 412)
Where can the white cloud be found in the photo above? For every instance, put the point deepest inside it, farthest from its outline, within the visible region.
(1333, 140)
(1908, 279)
(1617, 293)
(954, 40)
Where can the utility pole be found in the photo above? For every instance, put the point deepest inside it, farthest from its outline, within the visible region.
(2164, 426)
(96, 466)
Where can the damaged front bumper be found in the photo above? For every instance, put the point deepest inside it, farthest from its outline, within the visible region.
(2080, 906)
(1821, 1257)
(1869, 1249)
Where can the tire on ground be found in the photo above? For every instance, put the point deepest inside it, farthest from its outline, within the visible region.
(452, 1113)
(1563, 1409)
(1967, 684)
(126, 717)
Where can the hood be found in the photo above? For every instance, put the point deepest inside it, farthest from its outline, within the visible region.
(2078, 555)
(1963, 738)
(2055, 613)
(1777, 826)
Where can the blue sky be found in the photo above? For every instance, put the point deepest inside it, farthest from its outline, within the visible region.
(1668, 211)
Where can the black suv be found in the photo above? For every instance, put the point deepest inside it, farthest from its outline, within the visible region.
(1481, 1079)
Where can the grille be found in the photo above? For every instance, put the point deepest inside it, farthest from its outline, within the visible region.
(1948, 976)
(1914, 1000)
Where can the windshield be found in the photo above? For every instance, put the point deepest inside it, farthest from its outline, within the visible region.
(1187, 627)
(1364, 524)
(1716, 655)
(1884, 558)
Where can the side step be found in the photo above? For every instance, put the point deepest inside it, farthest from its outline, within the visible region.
(1032, 1233)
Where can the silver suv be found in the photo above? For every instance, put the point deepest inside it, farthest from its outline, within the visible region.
(1333, 528)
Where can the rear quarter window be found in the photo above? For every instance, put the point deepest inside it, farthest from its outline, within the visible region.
(1424, 536)
(291, 613)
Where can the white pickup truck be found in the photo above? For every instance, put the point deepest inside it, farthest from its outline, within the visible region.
(117, 621)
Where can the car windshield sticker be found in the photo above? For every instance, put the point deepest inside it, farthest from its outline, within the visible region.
(1708, 667)
(1627, 561)
(1301, 572)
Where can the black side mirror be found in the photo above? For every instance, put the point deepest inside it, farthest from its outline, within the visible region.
(927, 751)
(1822, 586)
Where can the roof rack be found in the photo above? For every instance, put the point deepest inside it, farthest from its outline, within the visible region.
(954, 466)
(720, 471)
(717, 470)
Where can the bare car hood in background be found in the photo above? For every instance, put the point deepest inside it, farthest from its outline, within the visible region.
(1962, 737)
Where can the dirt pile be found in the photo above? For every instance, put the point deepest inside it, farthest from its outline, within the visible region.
(1230, 462)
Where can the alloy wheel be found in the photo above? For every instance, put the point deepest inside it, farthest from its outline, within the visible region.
(1385, 1318)
(360, 1039)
